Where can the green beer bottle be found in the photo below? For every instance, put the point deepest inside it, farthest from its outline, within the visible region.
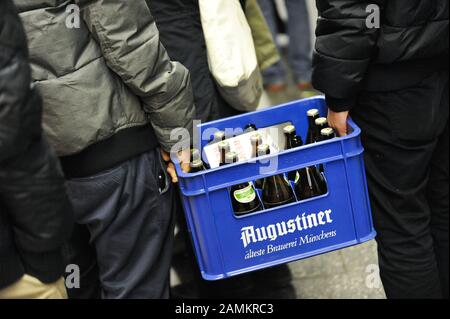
(243, 196)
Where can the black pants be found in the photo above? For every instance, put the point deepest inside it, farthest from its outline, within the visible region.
(406, 137)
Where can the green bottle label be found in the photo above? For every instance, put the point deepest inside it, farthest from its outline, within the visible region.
(245, 195)
(297, 177)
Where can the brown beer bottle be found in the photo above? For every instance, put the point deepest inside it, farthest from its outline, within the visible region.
(313, 115)
(250, 128)
(243, 196)
(327, 134)
(321, 123)
(224, 148)
(256, 141)
(292, 141)
(289, 133)
(309, 185)
(197, 166)
(277, 191)
(309, 181)
(195, 155)
(219, 136)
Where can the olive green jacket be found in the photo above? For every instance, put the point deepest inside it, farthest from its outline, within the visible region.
(266, 49)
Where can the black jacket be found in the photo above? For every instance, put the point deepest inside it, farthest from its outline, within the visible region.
(410, 44)
(182, 35)
(35, 214)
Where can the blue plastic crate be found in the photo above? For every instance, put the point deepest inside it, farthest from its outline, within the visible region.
(227, 245)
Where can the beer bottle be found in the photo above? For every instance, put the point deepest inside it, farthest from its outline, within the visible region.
(292, 141)
(321, 123)
(250, 128)
(295, 176)
(256, 141)
(309, 182)
(197, 166)
(195, 155)
(219, 136)
(327, 134)
(313, 115)
(277, 191)
(289, 133)
(224, 148)
(309, 185)
(243, 196)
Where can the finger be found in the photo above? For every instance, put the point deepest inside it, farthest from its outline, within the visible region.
(172, 172)
(342, 130)
(165, 156)
(184, 156)
(186, 167)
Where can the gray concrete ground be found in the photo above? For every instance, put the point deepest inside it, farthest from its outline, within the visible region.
(350, 273)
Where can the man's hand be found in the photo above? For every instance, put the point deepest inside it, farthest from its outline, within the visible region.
(338, 121)
(184, 158)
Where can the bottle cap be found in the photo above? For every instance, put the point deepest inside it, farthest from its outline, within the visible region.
(313, 113)
(250, 128)
(263, 150)
(196, 164)
(231, 157)
(321, 121)
(219, 136)
(224, 145)
(195, 155)
(328, 132)
(289, 129)
(256, 138)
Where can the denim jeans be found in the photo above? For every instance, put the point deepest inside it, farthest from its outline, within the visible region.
(300, 48)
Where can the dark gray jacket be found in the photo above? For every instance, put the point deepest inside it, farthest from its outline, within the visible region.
(109, 75)
(35, 214)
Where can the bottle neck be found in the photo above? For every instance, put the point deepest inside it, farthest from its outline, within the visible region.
(289, 139)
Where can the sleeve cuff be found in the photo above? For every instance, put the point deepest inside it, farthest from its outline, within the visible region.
(340, 105)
